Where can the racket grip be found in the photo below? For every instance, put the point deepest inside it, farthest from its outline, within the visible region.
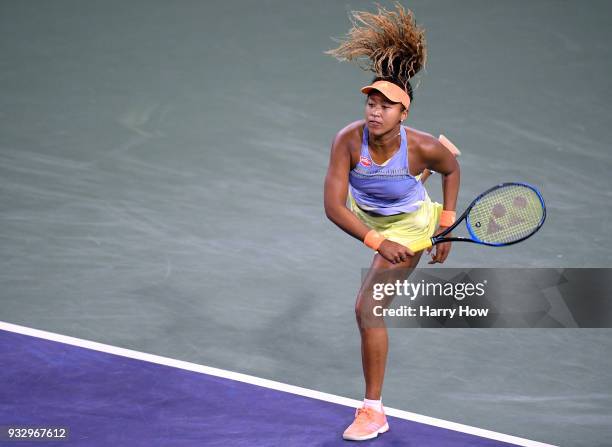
(420, 244)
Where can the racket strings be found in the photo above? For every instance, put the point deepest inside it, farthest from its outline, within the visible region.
(506, 214)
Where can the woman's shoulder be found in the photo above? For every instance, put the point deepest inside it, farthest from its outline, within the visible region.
(351, 134)
(419, 140)
(353, 128)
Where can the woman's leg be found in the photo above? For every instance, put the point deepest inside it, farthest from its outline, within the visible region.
(374, 338)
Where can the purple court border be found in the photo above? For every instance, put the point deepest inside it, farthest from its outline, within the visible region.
(109, 396)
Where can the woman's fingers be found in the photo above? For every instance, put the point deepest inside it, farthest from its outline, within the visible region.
(395, 253)
(446, 247)
(435, 257)
(441, 253)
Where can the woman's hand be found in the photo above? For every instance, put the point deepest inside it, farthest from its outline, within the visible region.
(440, 251)
(394, 252)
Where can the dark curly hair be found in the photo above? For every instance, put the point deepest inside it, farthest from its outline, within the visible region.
(389, 43)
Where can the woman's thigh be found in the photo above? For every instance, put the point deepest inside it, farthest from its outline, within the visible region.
(371, 294)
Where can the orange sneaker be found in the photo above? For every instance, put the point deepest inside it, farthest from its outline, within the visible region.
(368, 424)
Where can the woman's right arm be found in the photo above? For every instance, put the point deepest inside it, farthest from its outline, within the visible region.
(336, 189)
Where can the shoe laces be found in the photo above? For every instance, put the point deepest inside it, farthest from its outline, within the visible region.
(363, 413)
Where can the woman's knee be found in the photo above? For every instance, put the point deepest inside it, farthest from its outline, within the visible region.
(359, 309)
(366, 314)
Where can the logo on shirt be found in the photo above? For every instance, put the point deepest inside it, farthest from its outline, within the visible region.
(365, 161)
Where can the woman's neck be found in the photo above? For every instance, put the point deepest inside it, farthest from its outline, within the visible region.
(386, 143)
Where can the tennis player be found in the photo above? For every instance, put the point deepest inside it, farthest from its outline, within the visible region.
(377, 163)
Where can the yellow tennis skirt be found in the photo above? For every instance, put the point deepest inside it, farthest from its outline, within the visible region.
(403, 228)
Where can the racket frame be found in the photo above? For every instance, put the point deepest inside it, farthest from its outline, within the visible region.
(440, 237)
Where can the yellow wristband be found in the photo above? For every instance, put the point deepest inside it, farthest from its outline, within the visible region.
(447, 218)
(373, 239)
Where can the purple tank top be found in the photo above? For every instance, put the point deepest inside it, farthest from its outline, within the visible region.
(388, 189)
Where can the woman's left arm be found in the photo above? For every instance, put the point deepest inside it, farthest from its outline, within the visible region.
(438, 158)
(448, 144)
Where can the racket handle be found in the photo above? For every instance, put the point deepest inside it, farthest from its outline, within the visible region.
(420, 244)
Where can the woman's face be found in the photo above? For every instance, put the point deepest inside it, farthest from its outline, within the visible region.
(381, 114)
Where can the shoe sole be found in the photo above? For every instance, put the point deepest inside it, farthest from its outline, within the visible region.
(382, 429)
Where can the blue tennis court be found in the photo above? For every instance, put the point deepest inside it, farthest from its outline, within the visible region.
(110, 399)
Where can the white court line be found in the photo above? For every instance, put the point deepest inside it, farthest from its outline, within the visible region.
(266, 384)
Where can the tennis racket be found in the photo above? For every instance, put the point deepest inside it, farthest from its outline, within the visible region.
(503, 215)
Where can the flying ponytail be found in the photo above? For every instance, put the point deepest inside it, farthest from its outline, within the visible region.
(388, 43)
